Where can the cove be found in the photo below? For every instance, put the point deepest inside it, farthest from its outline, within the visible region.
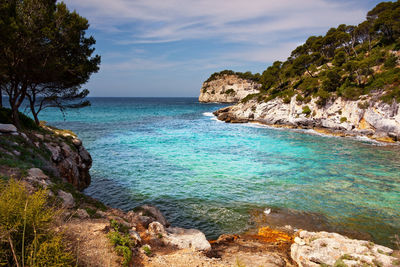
(210, 175)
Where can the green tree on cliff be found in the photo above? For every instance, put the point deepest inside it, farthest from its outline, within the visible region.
(45, 56)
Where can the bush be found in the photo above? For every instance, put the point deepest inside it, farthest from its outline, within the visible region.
(25, 228)
(230, 92)
(121, 241)
(26, 122)
(391, 61)
(306, 110)
(343, 119)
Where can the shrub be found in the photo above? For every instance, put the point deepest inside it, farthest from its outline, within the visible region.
(121, 241)
(306, 110)
(363, 105)
(343, 119)
(323, 97)
(230, 92)
(391, 62)
(299, 98)
(25, 228)
(26, 122)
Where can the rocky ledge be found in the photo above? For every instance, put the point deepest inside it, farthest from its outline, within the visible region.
(60, 152)
(368, 116)
(227, 88)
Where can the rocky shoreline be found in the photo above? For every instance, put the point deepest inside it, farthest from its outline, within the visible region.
(87, 223)
(370, 117)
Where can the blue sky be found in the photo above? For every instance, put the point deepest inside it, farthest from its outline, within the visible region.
(169, 47)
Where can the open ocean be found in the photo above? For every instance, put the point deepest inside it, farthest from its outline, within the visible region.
(216, 177)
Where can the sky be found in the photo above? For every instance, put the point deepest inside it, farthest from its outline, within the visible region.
(167, 48)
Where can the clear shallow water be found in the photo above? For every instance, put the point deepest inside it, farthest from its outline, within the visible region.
(170, 152)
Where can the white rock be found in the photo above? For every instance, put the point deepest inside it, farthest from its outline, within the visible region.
(299, 241)
(7, 128)
(156, 228)
(81, 213)
(68, 199)
(36, 175)
(313, 249)
(135, 236)
(228, 89)
(187, 238)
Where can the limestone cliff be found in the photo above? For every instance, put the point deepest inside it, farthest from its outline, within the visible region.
(227, 88)
(58, 152)
(368, 116)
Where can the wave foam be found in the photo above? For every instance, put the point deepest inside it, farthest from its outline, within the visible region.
(208, 114)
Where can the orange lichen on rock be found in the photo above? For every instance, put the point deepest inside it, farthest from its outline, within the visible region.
(364, 125)
(270, 235)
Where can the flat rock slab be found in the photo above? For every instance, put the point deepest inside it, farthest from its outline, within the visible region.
(315, 249)
(7, 128)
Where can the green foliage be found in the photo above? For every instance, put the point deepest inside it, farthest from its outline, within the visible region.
(323, 97)
(120, 239)
(246, 75)
(363, 105)
(45, 57)
(26, 122)
(25, 227)
(306, 110)
(347, 61)
(391, 61)
(147, 250)
(343, 119)
(230, 92)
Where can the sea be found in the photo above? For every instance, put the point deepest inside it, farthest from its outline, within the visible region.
(220, 178)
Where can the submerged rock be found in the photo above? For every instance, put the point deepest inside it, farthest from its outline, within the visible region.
(148, 212)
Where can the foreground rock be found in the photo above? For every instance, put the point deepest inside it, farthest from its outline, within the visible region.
(7, 128)
(227, 89)
(369, 117)
(323, 248)
(179, 237)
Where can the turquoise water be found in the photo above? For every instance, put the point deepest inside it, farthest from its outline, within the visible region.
(209, 175)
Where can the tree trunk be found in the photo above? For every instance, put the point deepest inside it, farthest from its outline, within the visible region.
(15, 117)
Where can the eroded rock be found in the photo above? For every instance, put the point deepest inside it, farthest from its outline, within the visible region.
(314, 249)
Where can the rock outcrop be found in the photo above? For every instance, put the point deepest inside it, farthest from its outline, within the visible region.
(61, 152)
(227, 89)
(331, 249)
(368, 117)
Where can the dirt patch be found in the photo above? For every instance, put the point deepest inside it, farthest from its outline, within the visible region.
(88, 240)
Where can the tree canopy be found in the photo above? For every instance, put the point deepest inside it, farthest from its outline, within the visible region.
(45, 56)
(348, 61)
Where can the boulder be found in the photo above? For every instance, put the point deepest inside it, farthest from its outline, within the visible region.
(68, 199)
(81, 213)
(187, 238)
(152, 212)
(135, 236)
(316, 249)
(36, 176)
(156, 228)
(77, 142)
(7, 128)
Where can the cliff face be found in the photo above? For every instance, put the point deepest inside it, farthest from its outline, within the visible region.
(368, 117)
(227, 89)
(58, 152)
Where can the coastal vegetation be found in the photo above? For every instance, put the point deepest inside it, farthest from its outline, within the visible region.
(26, 228)
(45, 56)
(348, 61)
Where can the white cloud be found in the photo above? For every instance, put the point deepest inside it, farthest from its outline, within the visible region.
(155, 21)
